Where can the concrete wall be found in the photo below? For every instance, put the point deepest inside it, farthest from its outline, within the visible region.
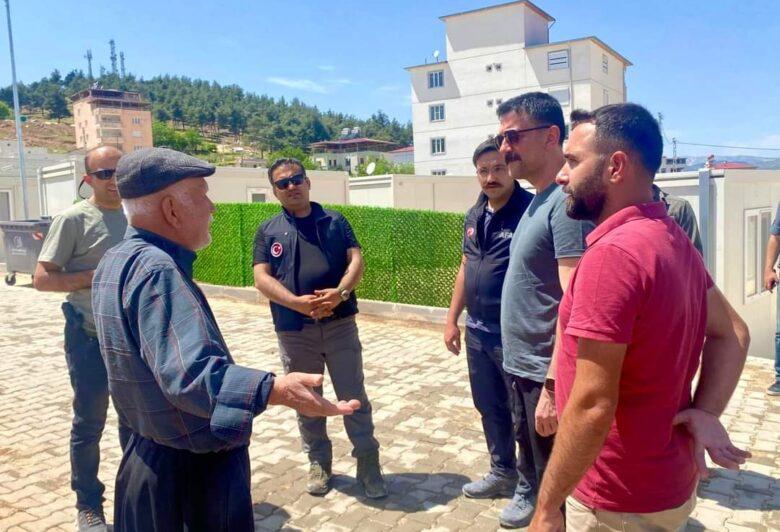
(402, 191)
(231, 184)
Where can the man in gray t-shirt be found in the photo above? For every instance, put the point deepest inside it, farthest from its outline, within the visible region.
(77, 240)
(545, 249)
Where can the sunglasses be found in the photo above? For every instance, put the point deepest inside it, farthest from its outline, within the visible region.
(103, 174)
(513, 136)
(296, 180)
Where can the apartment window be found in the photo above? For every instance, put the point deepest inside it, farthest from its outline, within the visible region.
(136, 120)
(757, 225)
(258, 197)
(136, 134)
(497, 66)
(439, 172)
(435, 79)
(438, 146)
(558, 60)
(489, 68)
(361, 160)
(499, 101)
(605, 63)
(562, 95)
(436, 112)
(136, 148)
(490, 103)
(605, 96)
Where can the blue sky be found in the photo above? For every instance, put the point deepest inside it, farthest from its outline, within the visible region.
(711, 67)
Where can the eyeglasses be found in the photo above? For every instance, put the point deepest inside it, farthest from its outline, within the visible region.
(296, 180)
(513, 136)
(103, 174)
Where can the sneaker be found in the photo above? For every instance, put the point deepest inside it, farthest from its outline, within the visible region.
(774, 389)
(518, 512)
(319, 479)
(489, 486)
(91, 520)
(369, 475)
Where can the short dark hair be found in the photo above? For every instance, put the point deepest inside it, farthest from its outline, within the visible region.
(486, 147)
(284, 161)
(539, 107)
(628, 127)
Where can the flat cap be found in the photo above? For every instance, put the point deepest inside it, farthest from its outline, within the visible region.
(144, 172)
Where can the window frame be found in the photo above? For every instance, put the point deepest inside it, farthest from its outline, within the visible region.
(555, 63)
(443, 146)
(758, 252)
(432, 114)
(436, 75)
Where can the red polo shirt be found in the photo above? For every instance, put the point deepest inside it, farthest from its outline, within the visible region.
(641, 283)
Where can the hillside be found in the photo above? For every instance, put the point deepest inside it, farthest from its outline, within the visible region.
(58, 138)
(260, 121)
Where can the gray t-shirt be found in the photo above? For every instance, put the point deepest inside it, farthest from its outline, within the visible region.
(682, 212)
(77, 240)
(532, 290)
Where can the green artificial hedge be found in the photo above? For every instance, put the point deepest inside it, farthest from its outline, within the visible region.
(411, 256)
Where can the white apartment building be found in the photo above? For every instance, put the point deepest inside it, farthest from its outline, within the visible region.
(493, 54)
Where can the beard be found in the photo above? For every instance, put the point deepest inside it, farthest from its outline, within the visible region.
(587, 202)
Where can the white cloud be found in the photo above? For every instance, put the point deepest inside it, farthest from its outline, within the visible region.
(300, 84)
(326, 68)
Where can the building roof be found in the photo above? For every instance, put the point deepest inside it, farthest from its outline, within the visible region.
(346, 143)
(593, 38)
(405, 149)
(530, 5)
(733, 166)
(438, 63)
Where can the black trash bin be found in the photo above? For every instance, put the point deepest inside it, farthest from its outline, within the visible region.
(23, 242)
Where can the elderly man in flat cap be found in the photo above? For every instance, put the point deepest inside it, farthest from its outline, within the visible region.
(189, 406)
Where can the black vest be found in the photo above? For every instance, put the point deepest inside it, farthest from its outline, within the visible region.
(281, 240)
(487, 262)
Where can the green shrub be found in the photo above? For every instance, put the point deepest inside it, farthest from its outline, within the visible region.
(410, 256)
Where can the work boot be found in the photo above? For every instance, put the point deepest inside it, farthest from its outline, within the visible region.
(319, 479)
(489, 486)
(91, 520)
(369, 475)
(519, 512)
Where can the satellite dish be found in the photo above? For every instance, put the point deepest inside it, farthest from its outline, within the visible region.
(436, 55)
(370, 168)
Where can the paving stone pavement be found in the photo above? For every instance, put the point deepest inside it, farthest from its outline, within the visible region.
(430, 433)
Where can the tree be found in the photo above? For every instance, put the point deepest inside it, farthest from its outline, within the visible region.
(57, 104)
(5, 111)
(293, 153)
(383, 166)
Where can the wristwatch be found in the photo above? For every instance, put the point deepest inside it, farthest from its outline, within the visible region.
(344, 293)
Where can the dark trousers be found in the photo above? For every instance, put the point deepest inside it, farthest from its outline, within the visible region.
(162, 489)
(90, 404)
(534, 449)
(491, 390)
(334, 344)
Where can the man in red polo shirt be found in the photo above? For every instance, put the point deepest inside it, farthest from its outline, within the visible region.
(639, 313)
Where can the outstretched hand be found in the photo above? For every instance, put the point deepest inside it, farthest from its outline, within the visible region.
(708, 433)
(296, 390)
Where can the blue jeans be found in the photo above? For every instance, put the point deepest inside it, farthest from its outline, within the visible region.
(89, 380)
(491, 390)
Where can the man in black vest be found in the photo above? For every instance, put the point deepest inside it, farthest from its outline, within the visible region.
(307, 262)
(488, 231)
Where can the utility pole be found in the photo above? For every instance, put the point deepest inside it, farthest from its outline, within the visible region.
(112, 44)
(17, 115)
(88, 57)
(122, 64)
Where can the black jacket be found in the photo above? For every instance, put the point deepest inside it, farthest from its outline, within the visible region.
(276, 242)
(486, 262)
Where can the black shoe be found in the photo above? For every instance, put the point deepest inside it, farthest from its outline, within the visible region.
(319, 479)
(91, 520)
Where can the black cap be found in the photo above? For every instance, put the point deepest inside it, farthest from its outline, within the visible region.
(144, 172)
